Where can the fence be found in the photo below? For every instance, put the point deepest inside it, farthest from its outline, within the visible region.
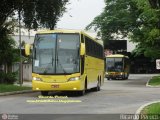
(26, 70)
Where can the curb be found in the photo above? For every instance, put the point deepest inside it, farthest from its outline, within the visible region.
(17, 92)
(151, 86)
(143, 106)
(147, 84)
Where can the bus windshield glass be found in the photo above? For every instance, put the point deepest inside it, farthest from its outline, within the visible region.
(56, 54)
(114, 64)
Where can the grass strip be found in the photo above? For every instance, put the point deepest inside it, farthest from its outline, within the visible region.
(155, 81)
(151, 112)
(11, 88)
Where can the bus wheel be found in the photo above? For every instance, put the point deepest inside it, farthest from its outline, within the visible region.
(124, 77)
(97, 88)
(44, 93)
(81, 93)
(127, 77)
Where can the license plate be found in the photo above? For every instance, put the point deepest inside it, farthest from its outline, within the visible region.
(55, 86)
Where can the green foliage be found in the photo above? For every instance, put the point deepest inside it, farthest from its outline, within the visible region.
(49, 11)
(34, 13)
(8, 53)
(138, 20)
(148, 32)
(118, 17)
(11, 88)
(8, 78)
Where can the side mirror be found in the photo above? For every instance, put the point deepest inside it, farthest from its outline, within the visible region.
(27, 49)
(82, 50)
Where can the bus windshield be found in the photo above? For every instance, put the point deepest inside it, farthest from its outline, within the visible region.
(56, 54)
(114, 64)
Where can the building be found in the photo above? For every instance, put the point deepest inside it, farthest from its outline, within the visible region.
(26, 37)
(139, 64)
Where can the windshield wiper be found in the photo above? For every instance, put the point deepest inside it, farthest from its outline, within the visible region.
(58, 62)
(52, 60)
(46, 69)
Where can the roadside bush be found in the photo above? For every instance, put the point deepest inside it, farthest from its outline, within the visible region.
(2, 76)
(8, 78)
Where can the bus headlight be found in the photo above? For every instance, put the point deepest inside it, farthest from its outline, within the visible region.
(106, 73)
(37, 79)
(74, 78)
(121, 73)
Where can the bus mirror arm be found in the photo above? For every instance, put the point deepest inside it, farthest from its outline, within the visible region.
(82, 49)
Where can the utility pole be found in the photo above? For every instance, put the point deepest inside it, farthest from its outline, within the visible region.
(20, 51)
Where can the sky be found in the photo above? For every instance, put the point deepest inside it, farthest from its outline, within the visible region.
(80, 13)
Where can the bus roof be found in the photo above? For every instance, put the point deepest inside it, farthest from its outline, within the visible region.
(116, 55)
(58, 31)
(68, 31)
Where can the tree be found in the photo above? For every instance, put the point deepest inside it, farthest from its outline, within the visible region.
(154, 3)
(8, 52)
(33, 13)
(147, 34)
(44, 13)
(137, 19)
(119, 17)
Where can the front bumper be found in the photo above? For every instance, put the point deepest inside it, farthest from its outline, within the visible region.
(114, 76)
(66, 86)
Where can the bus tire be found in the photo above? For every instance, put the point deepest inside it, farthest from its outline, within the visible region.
(124, 77)
(44, 93)
(127, 77)
(81, 93)
(97, 88)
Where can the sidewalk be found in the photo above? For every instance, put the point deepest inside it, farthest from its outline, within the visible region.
(26, 83)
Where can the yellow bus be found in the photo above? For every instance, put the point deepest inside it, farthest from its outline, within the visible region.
(117, 66)
(66, 60)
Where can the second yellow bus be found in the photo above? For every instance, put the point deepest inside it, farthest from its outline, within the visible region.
(117, 67)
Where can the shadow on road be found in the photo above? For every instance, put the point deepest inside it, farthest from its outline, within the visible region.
(117, 80)
(70, 93)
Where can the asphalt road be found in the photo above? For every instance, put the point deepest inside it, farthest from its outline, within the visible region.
(115, 97)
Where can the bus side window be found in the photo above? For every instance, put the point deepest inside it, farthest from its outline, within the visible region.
(88, 46)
